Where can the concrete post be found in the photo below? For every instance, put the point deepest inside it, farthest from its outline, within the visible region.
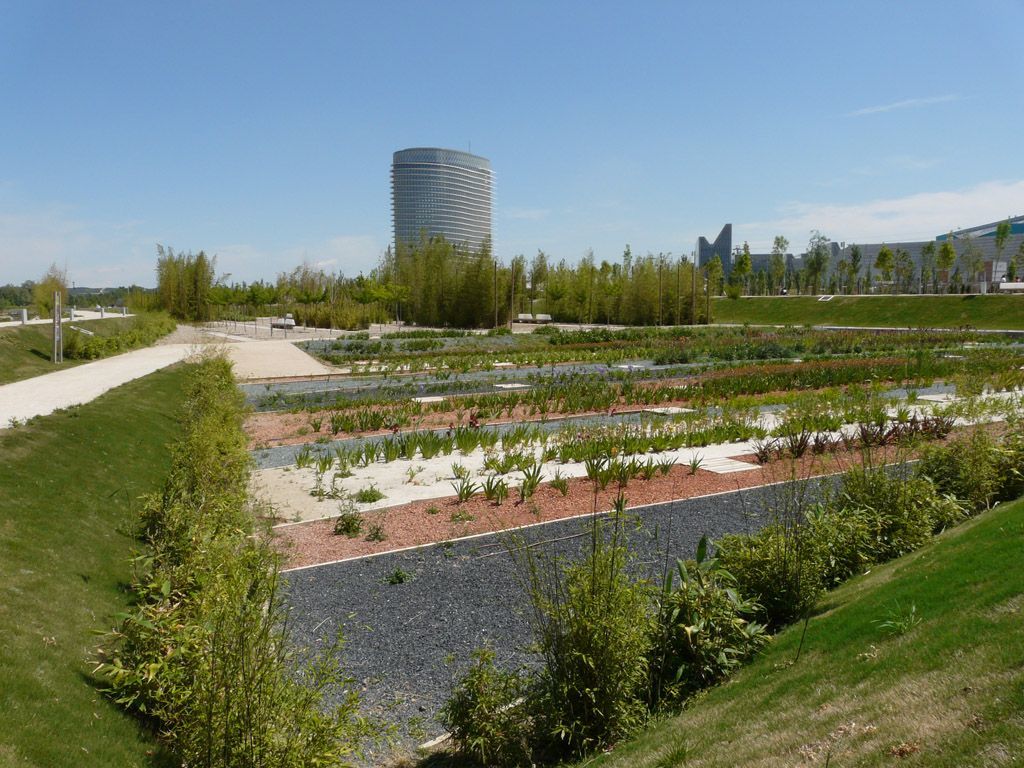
(24, 316)
(71, 314)
(124, 311)
(103, 312)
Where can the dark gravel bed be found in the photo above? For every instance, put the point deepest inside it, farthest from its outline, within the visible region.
(406, 643)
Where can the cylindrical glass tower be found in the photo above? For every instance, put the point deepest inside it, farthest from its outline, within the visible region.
(441, 192)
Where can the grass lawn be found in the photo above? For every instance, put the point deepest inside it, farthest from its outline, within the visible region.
(68, 489)
(25, 350)
(991, 311)
(948, 692)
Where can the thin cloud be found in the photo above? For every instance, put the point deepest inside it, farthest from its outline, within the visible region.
(914, 217)
(905, 104)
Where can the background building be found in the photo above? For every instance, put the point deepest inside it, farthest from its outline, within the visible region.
(441, 192)
(722, 248)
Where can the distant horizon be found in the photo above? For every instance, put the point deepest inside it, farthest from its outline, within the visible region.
(265, 137)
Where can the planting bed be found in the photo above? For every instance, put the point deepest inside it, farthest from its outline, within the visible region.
(412, 618)
(426, 466)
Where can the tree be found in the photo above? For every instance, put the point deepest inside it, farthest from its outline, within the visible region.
(54, 280)
(843, 272)
(538, 274)
(816, 262)
(971, 263)
(742, 268)
(946, 258)
(777, 264)
(1003, 230)
(885, 262)
(927, 265)
(904, 269)
(856, 259)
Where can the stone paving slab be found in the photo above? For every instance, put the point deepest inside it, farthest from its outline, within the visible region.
(273, 360)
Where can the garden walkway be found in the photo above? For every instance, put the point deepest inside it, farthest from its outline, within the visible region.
(45, 394)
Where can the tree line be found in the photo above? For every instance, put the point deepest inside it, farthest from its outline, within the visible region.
(437, 283)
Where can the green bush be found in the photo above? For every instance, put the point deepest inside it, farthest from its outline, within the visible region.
(594, 637)
(117, 336)
(703, 630)
(206, 654)
(1010, 468)
(778, 566)
(841, 540)
(967, 468)
(901, 512)
(485, 714)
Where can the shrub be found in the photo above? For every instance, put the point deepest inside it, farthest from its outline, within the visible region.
(703, 630)
(778, 567)
(901, 512)
(593, 632)
(1010, 469)
(117, 337)
(484, 714)
(967, 468)
(841, 540)
(206, 653)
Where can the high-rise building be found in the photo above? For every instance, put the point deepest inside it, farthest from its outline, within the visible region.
(441, 192)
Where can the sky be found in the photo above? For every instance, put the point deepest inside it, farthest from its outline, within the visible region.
(262, 133)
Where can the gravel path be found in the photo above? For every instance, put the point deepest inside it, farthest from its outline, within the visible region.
(406, 643)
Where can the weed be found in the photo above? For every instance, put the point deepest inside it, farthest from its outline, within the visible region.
(899, 621)
(376, 533)
(349, 523)
(397, 576)
(695, 463)
(368, 495)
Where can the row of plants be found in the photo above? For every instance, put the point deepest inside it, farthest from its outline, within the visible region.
(615, 649)
(571, 392)
(858, 419)
(206, 656)
(116, 337)
(675, 345)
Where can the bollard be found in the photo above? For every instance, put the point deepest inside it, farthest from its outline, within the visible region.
(71, 313)
(103, 312)
(24, 317)
(124, 311)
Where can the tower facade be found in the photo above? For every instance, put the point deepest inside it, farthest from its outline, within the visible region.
(441, 192)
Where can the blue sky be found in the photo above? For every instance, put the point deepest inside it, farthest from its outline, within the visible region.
(263, 132)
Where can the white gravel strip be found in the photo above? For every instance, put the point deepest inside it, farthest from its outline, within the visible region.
(44, 394)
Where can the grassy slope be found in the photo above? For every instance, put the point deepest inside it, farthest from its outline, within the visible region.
(1002, 312)
(951, 690)
(25, 349)
(68, 489)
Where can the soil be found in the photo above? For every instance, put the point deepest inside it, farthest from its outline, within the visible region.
(438, 520)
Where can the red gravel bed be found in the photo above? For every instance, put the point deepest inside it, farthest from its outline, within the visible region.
(428, 522)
